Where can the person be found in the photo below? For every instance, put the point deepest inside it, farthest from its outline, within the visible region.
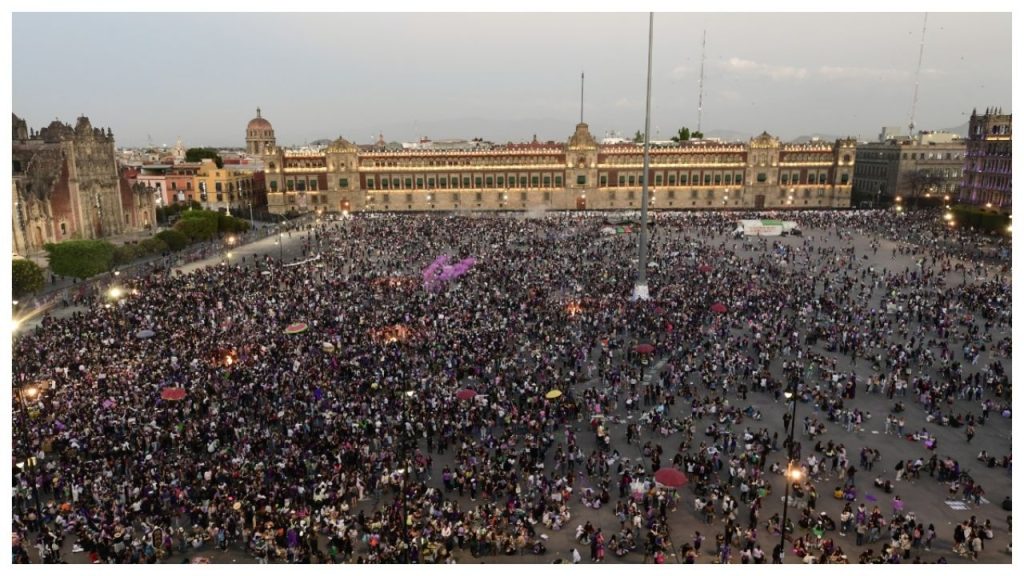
(576, 558)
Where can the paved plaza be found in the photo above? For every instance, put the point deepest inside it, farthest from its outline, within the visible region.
(349, 439)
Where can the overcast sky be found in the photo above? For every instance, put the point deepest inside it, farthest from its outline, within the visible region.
(501, 76)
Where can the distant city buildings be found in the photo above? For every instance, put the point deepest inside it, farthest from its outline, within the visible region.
(575, 175)
(929, 165)
(988, 171)
(67, 184)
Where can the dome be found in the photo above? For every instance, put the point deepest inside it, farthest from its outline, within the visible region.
(259, 123)
(342, 145)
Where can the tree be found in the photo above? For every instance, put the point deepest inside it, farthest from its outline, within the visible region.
(80, 258)
(682, 136)
(26, 277)
(638, 137)
(698, 135)
(174, 239)
(921, 181)
(197, 229)
(198, 154)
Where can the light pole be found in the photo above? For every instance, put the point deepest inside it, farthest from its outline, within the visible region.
(790, 474)
(641, 291)
(30, 458)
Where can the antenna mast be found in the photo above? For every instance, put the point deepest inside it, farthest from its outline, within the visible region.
(917, 76)
(700, 95)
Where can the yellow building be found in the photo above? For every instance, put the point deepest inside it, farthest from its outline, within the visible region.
(228, 188)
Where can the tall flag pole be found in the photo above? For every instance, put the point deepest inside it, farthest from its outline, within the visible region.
(641, 291)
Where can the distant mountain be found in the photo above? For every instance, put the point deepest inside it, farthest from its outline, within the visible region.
(810, 137)
(960, 130)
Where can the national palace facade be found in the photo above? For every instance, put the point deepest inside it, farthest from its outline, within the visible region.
(577, 175)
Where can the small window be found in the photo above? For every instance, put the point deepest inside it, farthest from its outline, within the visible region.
(547, 196)
(845, 178)
(387, 198)
(671, 179)
(822, 178)
(408, 198)
(220, 197)
(707, 179)
(738, 179)
(300, 185)
(611, 195)
(657, 179)
(558, 181)
(762, 177)
(581, 179)
(455, 197)
(408, 182)
(693, 194)
(632, 180)
(501, 180)
(479, 181)
(718, 179)
(385, 184)
(535, 181)
(547, 181)
(313, 183)
(217, 186)
(419, 182)
(622, 180)
(671, 194)
(682, 179)
(430, 183)
(273, 185)
(63, 228)
(394, 184)
(785, 178)
(604, 181)
(522, 196)
(479, 196)
(291, 185)
(465, 182)
(490, 181)
(631, 194)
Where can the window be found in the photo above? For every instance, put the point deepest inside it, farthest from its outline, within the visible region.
(478, 181)
(682, 179)
(671, 194)
(581, 179)
(501, 181)
(387, 198)
(220, 197)
(845, 178)
(657, 179)
(632, 180)
(479, 196)
(718, 179)
(611, 195)
(300, 185)
(63, 228)
(547, 181)
(547, 196)
(707, 179)
(217, 186)
(604, 181)
(465, 182)
(622, 180)
(821, 192)
(822, 178)
(430, 183)
(693, 194)
(671, 179)
(385, 184)
(631, 194)
(490, 181)
(442, 182)
(522, 196)
(313, 184)
(710, 195)
(558, 181)
(762, 177)
(535, 181)
(455, 197)
(291, 185)
(273, 185)
(738, 179)
(408, 198)
(394, 184)
(419, 182)
(408, 182)
(174, 185)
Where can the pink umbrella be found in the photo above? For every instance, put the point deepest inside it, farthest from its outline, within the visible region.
(718, 307)
(173, 393)
(671, 478)
(644, 348)
(466, 394)
(296, 328)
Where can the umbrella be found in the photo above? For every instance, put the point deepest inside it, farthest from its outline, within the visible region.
(173, 393)
(143, 334)
(465, 394)
(718, 307)
(704, 268)
(671, 478)
(296, 328)
(327, 347)
(644, 348)
(552, 394)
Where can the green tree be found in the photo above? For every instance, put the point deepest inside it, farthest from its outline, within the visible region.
(638, 137)
(174, 239)
(682, 136)
(26, 277)
(198, 154)
(80, 258)
(154, 246)
(197, 229)
(697, 135)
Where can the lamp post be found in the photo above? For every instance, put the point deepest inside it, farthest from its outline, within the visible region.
(790, 473)
(30, 458)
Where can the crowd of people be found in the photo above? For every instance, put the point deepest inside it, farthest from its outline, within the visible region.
(392, 423)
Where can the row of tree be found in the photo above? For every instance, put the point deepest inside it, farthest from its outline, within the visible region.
(682, 135)
(87, 258)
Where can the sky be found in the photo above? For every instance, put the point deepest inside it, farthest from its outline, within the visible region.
(502, 77)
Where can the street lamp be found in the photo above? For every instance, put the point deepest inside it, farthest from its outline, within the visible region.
(791, 474)
(30, 460)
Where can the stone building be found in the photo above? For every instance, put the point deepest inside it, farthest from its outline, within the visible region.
(66, 185)
(988, 169)
(929, 165)
(577, 175)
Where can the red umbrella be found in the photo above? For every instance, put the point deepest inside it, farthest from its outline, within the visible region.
(671, 478)
(173, 393)
(644, 348)
(718, 307)
(704, 268)
(465, 394)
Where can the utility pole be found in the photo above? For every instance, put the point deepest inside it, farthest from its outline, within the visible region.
(641, 291)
